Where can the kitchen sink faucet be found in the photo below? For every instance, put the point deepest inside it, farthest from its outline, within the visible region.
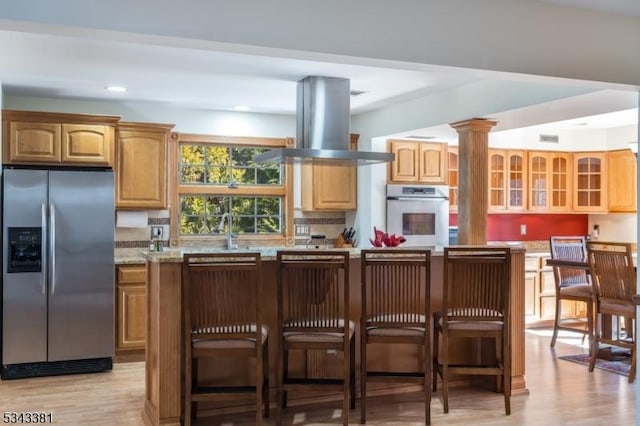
(231, 245)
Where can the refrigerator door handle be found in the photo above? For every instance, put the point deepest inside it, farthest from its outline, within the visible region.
(52, 246)
(43, 245)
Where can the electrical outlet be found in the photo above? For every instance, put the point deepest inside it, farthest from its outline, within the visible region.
(302, 230)
(156, 232)
(523, 229)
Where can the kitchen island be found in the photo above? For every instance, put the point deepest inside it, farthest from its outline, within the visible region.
(164, 346)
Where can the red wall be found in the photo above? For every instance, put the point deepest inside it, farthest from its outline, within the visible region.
(506, 227)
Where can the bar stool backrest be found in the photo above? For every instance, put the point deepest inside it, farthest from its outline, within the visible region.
(313, 290)
(220, 294)
(613, 271)
(396, 287)
(573, 248)
(477, 282)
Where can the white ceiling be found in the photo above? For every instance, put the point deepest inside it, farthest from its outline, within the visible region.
(623, 7)
(69, 67)
(46, 65)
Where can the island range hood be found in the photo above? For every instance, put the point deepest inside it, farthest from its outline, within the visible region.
(322, 127)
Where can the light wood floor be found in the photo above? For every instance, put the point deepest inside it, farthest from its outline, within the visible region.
(561, 393)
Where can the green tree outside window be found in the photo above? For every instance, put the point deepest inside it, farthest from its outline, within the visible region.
(216, 166)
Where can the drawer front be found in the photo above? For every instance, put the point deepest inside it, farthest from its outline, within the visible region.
(131, 274)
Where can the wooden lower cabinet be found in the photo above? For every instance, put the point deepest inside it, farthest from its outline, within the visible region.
(540, 295)
(130, 308)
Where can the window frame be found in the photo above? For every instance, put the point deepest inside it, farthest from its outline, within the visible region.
(177, 189)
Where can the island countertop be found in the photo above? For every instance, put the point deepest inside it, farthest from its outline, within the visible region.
(174, 255)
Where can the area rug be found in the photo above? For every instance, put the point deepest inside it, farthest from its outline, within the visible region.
(619, 364)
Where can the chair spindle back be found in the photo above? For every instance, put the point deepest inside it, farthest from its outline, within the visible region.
(477, 281)
(221, 293)
(396, 290)
(313, 290)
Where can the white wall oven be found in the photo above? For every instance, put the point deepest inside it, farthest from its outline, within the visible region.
(420, 213)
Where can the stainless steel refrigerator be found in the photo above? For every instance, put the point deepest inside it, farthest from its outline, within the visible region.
(57, 272)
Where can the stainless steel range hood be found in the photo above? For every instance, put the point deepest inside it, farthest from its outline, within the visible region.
(322, 127)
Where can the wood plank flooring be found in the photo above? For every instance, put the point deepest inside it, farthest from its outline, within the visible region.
(561, 393)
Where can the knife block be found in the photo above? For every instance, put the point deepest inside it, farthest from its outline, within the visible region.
(341, 243)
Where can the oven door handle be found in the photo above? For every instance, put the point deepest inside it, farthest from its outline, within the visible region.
(440, 198)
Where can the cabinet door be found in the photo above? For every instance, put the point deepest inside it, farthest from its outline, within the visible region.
(621, 167)
(405, 166)
(334, 187)
(538, 181)
(87, 144)
(516, 180)
(590, 181)
(326, 187)
(560, 168)
(497, 180)
(453, 177)
(432, 165)
(530, 283)
(131, 308)
(34, 142)
(141, 167)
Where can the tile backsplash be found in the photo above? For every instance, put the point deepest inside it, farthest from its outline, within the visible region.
(140, 237)
(330, 224)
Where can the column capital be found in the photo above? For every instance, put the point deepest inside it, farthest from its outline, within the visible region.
(473, 124)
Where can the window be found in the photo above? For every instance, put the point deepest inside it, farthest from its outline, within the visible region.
(217, 176)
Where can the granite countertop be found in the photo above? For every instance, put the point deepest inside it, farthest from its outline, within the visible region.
(129, 256)
(174, 255)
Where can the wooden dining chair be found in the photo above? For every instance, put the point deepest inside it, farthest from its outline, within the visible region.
(396, 298)
(614, 278)
(313, 314)
(573, 285)
(222, 296)
(475, 305)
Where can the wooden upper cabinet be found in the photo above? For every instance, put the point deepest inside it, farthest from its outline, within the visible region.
(418, 162)
(507, 180)
(87, 144)
(405, 166)
(561, 181)
(538, 180)
(452, 172)
(590, 182)
(432, 163)
(622, 181)
(141, 165)
(58, 138)
(550, 181)
(33, 142)
(327, 187)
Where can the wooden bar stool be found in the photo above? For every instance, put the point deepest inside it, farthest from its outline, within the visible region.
(614, 278)
(222, 317)
(475, 305)
(313, 314)
(571, 284)
(396, 298)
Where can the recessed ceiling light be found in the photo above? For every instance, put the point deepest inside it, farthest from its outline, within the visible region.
(117, 89)
(242, 108)
(583, 123)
